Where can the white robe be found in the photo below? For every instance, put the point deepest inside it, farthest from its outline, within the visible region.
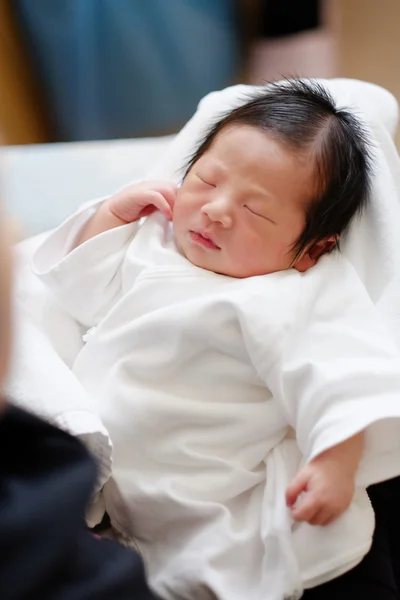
(205, 383)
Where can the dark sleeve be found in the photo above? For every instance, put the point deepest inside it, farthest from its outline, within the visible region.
(46, 552)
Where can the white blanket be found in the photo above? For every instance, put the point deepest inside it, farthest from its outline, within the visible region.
(41, 381)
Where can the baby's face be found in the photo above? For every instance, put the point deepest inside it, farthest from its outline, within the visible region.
(242, 206)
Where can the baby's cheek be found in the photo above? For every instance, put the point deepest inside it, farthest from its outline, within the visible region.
(181, 203)
(259, 256)
(186, 212)
(249, 258)
(181, 224)
(278, 246)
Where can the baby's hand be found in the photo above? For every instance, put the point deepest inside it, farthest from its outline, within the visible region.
(141, 199)
(129, 205)
(324, 488)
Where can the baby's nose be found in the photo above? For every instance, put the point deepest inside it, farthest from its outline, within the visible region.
(218, 212)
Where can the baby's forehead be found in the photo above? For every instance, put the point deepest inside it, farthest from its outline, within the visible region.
(242, 137)
(251, 148)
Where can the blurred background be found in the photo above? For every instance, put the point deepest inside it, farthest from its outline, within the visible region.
(86, 70)
(101, 69)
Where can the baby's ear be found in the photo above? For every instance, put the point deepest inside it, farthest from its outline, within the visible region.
(314, 253)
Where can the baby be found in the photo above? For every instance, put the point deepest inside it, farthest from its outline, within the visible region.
(273, 186)
(213, 333)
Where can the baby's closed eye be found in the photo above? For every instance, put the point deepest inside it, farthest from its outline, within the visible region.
(206, 181)
(259, 214)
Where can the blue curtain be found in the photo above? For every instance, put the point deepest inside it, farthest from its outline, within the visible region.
(123, 68)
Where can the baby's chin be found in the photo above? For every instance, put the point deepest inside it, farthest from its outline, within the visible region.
(208, 263)
(198, 258)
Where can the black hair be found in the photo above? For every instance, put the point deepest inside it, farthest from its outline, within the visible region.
(303, 116)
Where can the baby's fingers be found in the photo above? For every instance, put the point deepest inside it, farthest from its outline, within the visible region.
(157, 200)
(168, 190)
(296, 487)
(306, 509)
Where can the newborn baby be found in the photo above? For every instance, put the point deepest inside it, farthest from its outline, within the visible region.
(214, 338)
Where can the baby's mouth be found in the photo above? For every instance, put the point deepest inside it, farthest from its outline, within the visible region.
(204, 239)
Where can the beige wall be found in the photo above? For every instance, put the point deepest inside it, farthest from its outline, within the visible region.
(369, 42)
